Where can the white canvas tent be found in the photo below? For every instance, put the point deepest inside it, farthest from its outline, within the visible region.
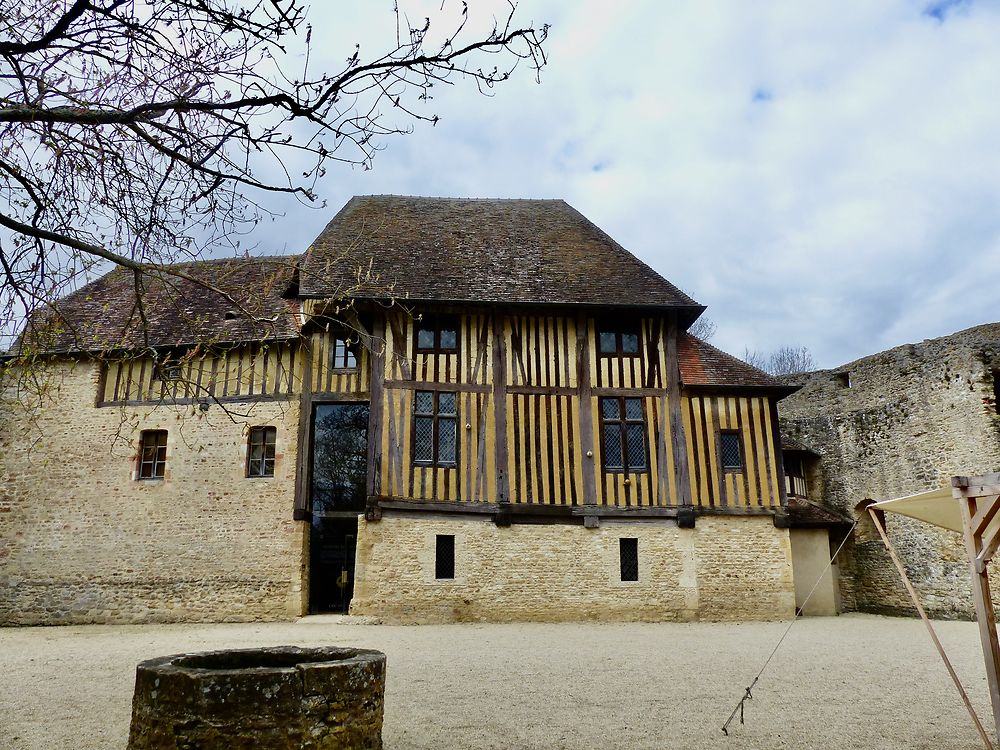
(971, 506)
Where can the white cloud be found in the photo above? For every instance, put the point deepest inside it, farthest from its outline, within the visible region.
(850, 206)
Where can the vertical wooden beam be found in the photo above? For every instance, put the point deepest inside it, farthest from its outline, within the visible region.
(500, 446)
(779, 458)
(981, 596)
(930, 629)
(585, 396)
(376, 369)
(302, 509)
(678, 442)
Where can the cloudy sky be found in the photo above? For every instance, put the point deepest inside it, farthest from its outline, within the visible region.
(824, 174)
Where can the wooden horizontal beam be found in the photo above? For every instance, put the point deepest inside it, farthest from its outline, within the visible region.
(433, 385)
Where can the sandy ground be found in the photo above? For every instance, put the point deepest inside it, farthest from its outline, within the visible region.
(855, 681)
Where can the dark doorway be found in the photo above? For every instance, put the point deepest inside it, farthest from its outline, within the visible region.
(337, 495)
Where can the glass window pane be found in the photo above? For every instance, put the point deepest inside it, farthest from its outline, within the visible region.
(350, 359)
(729, 448)
(447, 440)
(609, 408)
(635, 444)
(449, 339)
(423, 402)
(612, 447)
(630, 343)
(606, 342)
(423, 439)
(268, 468)
(446, 403)
(633, 408)
(425, 338)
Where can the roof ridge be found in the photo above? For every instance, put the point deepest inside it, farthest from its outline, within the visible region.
(459, 198)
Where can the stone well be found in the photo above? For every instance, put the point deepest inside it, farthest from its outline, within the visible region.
(266, 698)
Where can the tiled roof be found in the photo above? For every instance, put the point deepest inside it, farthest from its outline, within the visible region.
(806, 514)
(104, 314)
(477, 250)
(703, 365)
(788, 444)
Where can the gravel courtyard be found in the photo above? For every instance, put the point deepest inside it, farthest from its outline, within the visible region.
(855, 681)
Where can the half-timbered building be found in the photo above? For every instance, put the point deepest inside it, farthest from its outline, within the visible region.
(442, 410)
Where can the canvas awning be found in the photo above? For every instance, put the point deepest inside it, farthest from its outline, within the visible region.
(938, 507)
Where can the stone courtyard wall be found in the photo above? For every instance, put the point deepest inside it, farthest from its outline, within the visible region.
(82, 541)
(726, 568)
(912, 418)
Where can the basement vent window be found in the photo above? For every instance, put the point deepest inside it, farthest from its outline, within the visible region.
(996, 390)
(444, 558)
(628, 555)
(230, 315)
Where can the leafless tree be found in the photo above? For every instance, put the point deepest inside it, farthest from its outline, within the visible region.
(144, 132)
(703, 328)
(785, 360)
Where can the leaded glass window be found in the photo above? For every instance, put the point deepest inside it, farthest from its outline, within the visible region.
(260, 451)
(623, 434)
(731, 451)
(435, 428)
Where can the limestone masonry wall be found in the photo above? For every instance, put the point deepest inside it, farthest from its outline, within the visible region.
(912, 418)
(727, 568)
(82, 541)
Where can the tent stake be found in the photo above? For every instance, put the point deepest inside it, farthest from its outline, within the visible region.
(930, 629)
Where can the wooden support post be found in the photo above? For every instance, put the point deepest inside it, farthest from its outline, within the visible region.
(376, 356)
(930, 629)
(981, 595)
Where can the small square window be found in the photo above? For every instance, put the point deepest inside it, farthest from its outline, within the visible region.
(628, 558)
(152, 454)
(731, 451)
(344, 353)
(437, 335)
(444, 557)
(260, 451)
(614, 340)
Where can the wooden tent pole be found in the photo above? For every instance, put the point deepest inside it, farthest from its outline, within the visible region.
(981, 595)
(930, 629)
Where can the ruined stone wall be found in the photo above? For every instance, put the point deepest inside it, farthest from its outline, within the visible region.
(727, 568)
(81, 540)
(912, 418)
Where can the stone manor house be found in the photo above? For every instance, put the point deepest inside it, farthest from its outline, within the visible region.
(443, 410)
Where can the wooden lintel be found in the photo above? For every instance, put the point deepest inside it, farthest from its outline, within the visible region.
(433, 385)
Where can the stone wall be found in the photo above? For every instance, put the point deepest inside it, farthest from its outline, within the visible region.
(81, 540)
(911, 418)
(727, 568)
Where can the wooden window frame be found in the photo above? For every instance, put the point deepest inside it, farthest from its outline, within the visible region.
(151, 440)
(619, 330)
(436, 324)
(345, 347)
(739, 442)
(258, 469)
(623, 422)
(436, 416)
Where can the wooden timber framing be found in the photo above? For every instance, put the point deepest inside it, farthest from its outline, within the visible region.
(500, 409)
(301, 511)
(376, 351)
(676, 424)
(979, 500)
(587, 457)
(528, 387)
